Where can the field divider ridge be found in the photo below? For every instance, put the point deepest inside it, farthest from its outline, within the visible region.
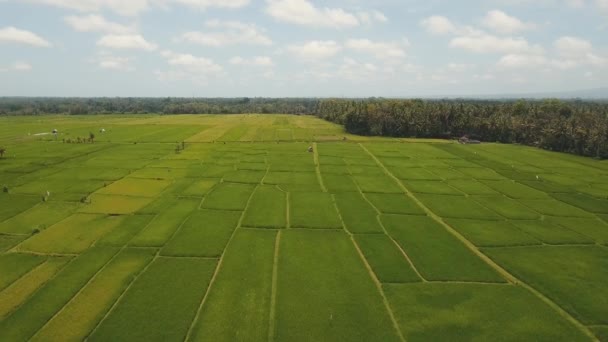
(79, 291)
(371, 273)
(273, 291)
(318, 166)
(509, 277)
(218, 267)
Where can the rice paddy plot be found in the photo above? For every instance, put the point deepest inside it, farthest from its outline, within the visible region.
(72, 235)
(113, 204)
(436, 253)
(590, 227)
(457, 207)
(238, 305)
(126, 230)
(171, 290)
(386, 260)
(9, 241)
(506, 207)
(79, 317)
(377, 184)
(413, 173)
(33, 314)
(313, 210)
(229, 196)
(21, 289)
(551, 233)
(472, 187)
(431, 187)
(573, 277)
(588, 203)
(12, 204)
(357, 214)
(314, 301)
(553, 207)
(394, 204)
(267, 209)
(136, 187)
(516, 190)
(339, 183)
(165, 224)
(245, 176)
(38, 217)
(204, 234)
(15, 265)
(492, 233)
(461, 312)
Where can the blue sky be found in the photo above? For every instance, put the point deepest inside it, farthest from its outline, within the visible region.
(293, 48)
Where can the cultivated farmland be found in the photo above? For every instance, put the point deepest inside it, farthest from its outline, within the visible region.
(226, 228)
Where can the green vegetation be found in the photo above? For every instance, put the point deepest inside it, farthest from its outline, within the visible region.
(238, 306)
(436, 253)
(318, 272)
(242, 234)
(571, 276)
(385, 259)
(464, 312)
(170, 290)
(267, 209)
(313, 210)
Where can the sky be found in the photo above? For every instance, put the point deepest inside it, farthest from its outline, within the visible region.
(301, 48)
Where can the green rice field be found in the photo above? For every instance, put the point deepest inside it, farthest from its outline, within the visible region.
(226, 228)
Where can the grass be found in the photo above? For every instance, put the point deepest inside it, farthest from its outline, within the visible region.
(319, 273)
(385, 259)
(84, 311)
(23, 323)
(267, 209)
(171, 290)
(238, 305)
(204, 234)
(229, 196)
(574, 277)
(465, 312)
(435, 252)
(357, 214)
(313, 210)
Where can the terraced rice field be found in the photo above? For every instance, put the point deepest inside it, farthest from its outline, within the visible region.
(245, 235)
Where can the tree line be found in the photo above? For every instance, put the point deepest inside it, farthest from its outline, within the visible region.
(573, 126)
(578, 127)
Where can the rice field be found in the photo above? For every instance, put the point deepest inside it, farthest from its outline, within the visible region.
(226, 228)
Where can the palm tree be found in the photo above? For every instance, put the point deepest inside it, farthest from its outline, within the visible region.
(91, 137)
(2, 152)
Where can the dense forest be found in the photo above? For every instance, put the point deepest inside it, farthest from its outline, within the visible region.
(575, 126)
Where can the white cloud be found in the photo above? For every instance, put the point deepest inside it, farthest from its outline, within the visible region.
(520, 61)
(227, 33)
(602, 4)
(111, 62)
(17, 66)
(501, 22)
(379, 49)
(303, 12)
(135, 7)
(262, 61)
(96, 23)
(132, 41)
(188, 62)
(122, 7)
(315, 50)
(354, 70)
(439, 25)
(369, 18)
(14, 35)
(486, 43)
(459, 67)
(572, 46)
